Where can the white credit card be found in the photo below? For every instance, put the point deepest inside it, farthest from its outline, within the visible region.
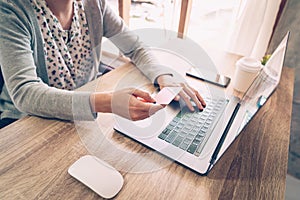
(166, 95)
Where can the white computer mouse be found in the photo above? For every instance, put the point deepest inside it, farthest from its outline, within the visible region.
(98, 175)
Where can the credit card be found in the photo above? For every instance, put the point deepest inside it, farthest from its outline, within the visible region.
(166, 95)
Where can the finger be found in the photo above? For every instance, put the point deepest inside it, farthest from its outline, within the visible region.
(187, 100)
(144, 95)
(144, 110)
(177, 98)
(138, 116)
(192, 93)
(154, 108)
(146, 107)
(200, 98)
(137, 105)
(137, 110)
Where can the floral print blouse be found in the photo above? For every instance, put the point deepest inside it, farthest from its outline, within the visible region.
(68, 52)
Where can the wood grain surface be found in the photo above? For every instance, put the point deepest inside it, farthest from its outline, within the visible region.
(36, 153)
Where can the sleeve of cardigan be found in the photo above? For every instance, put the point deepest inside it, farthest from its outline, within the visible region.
(130, 45)
(27, 91)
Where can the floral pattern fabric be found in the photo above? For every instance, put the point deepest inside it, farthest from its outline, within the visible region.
(68, 52)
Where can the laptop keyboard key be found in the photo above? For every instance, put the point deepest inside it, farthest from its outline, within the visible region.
(171, 137)
(178, 141)
(162, 136)
(184, 146)
(192, 148)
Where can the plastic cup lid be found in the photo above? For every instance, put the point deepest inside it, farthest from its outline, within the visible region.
(249, 64)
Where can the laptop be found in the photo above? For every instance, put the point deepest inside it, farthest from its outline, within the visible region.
(197, 140)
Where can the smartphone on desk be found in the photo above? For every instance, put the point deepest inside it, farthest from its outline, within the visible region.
(209, 76)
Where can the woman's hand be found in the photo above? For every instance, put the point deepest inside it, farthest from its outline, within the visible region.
(187, 93)
(129, 103)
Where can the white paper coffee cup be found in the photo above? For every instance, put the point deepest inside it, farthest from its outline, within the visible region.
(246, 70)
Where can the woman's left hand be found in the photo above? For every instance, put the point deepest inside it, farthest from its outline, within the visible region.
(187, 93)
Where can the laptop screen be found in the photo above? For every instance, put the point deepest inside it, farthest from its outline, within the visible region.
(265, 83)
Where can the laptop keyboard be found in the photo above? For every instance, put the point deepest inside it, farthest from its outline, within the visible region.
(190, 130)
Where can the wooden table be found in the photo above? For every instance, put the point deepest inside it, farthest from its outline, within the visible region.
(36, 153)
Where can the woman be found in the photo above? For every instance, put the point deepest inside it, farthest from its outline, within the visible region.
(48, 48)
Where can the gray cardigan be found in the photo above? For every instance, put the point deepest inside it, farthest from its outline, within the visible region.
(22, 61)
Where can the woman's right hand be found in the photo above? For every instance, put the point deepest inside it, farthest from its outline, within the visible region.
(130, 103)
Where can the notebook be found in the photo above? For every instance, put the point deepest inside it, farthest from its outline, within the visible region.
(198, 140)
